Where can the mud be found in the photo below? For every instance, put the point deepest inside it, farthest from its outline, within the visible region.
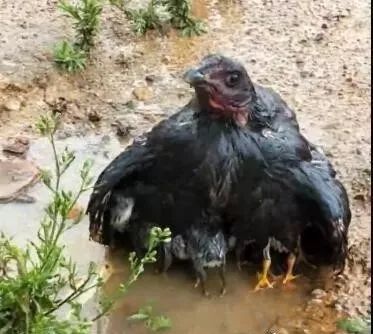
(314, 53)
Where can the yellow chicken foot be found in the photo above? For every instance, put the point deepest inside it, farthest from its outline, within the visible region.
(289, 276)
(263, 277)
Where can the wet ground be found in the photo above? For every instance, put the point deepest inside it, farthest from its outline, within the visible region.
(314, 53)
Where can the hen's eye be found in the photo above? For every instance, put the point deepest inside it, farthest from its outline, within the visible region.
(232, 79)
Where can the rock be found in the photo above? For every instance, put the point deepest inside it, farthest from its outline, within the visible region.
(121, 130)
(166, 59)
(93, 116)
(324, 26)
(17, 145)
(316, 301)
(12, 104)
(318, 293)
(15, 177)
(338, 307)
(299, 62)
(59, 105)
(151, 78)
(142, 93)
(360, 197)
(319, 37)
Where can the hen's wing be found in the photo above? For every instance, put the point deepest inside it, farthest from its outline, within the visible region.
(134, 164)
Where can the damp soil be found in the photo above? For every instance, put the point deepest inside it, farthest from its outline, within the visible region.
(316, 54)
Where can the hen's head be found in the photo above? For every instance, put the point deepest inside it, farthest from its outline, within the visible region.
(223, 88)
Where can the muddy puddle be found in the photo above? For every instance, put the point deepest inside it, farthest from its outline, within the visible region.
(240, 311)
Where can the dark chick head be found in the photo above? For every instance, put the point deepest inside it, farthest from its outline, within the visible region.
(223, 88)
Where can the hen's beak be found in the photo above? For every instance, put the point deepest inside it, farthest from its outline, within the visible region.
(194, 77)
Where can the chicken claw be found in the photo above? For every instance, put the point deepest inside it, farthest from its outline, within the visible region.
(289, 273)
(263, 283)
(289, 277)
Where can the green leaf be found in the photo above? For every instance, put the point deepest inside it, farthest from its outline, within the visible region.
(354, 326)
(138, 317)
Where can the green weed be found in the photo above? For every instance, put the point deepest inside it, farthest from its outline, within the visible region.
(69, 58)
(153, 17)
(86, 16)
(355, 325)
(160, 13)
(154, 322)
(39, 279)
(181, 17)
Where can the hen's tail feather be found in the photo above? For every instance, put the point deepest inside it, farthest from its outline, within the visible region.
(316, 184)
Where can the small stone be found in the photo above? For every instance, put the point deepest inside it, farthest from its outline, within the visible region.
(130, 104)
(338, 307)
(151, 78)
(318, 293)
(94, 117)
(142, 93)
(324, 26)
(316, 301)
(12, 104)
(15, 177)
(59, 105)
(319, 37)
(166, 60)
(349, 79)
(121, 130)
(360, 197)
(17, 145)
(299, 62)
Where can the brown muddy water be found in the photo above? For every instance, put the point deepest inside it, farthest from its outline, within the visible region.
(316, 54)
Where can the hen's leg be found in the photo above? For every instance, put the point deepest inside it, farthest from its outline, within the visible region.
(263, 281)
(201, 278)
(222, 279)
(289, 276)
(238, 253)
(167, 258)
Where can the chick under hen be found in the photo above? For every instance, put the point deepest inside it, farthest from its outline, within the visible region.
(205, 246)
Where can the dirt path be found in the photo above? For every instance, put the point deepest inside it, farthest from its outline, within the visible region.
(316, 54)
